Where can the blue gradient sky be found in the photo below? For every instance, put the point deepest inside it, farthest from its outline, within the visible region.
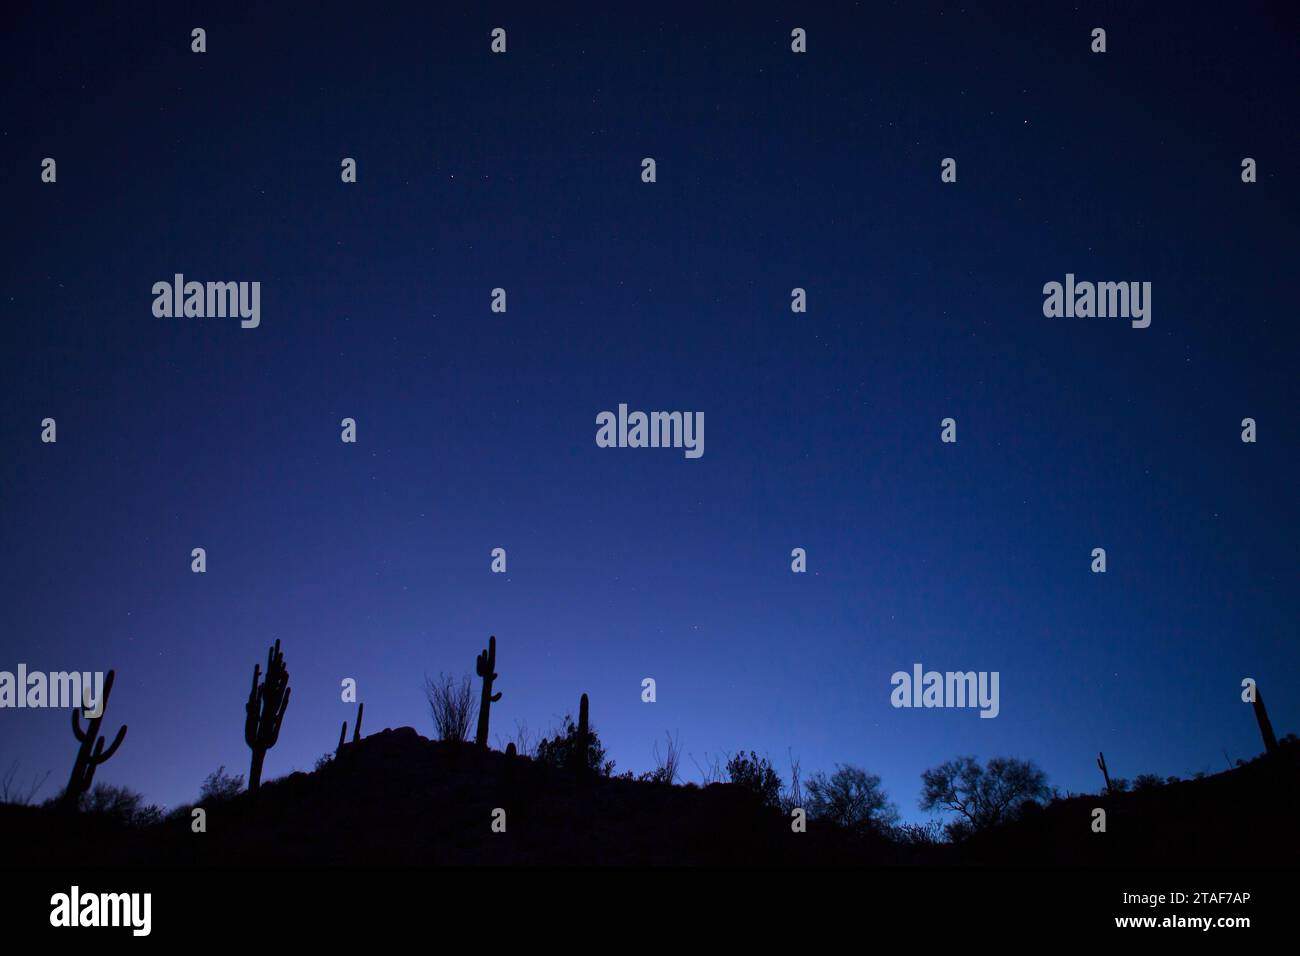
(476, 430)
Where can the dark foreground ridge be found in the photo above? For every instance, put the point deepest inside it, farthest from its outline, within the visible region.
(396, 798)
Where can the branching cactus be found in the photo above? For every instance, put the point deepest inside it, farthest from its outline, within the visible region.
(1101, 762)
(91, 753)
(267, 702)
(356, 732)
(485, 667)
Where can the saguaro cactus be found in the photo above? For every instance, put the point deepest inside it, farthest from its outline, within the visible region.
(584, 737)
(267, 702)
(485, 667)
(356, 732)
(91, 753)
(1265, 725)
(1101, 762)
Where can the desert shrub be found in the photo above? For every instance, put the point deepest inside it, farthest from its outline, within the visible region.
(219, 786)
(957, 830)
(850, 798)
(120, 805)
(1147, 781)
(667, 763)
(755, 774)
(564, 752)
(929, 833)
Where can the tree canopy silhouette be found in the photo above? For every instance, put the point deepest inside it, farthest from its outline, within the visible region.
(984, 796)
(850, 798)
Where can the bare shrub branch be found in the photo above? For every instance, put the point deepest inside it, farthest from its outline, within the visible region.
(525, 740)
(668, 764)
(451, 704)
(11, 792)
(792, 798)
(712, 769)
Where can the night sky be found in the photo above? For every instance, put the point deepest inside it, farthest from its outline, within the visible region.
(476, 430)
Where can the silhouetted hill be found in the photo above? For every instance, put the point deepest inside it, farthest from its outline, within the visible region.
(1244, 816)
(396, 798)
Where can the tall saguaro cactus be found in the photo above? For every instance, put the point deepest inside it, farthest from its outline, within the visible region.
(584, 737)
(91, 753)
(1101, 762)
(1265, 725)
(267, 702)
(485, 667)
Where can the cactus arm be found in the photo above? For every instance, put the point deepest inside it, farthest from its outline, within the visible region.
(108, 689)
(117, 742)
(250, 710)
